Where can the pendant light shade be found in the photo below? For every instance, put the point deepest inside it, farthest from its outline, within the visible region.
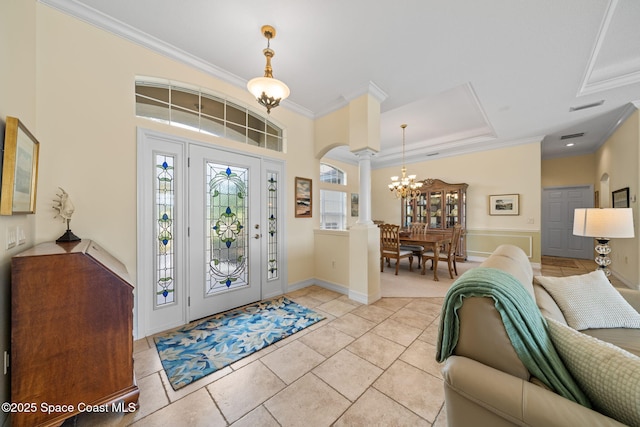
(267, 90)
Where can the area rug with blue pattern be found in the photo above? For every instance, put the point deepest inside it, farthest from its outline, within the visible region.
(199, 349)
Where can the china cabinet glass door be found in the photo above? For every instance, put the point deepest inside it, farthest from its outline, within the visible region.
(452, 209)
(435, 209)
(421, 209)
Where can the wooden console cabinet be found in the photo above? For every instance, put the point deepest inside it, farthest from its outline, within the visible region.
(71, 333)
(441, 206)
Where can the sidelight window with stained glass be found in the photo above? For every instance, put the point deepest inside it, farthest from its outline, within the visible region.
(227, 238)
(165, 219)
(272, 229)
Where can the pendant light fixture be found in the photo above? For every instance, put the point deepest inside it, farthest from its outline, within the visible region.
(267, 90)
(407, 186)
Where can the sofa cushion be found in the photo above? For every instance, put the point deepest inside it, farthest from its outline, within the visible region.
(590, 301)
(547, 305)
(609, 375)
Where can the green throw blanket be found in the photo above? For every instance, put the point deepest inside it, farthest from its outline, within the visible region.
(525, 326)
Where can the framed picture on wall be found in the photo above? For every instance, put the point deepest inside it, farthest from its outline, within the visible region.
(620, 198)
(303, 198)
(355, 209)
(19, 169)
(504, 204)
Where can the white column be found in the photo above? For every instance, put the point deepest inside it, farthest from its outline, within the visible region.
(364, 202)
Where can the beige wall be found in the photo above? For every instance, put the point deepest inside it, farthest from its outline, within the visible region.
(510, 170)
(569, 171)
(17, 99)
(619, 159)
(332, 258)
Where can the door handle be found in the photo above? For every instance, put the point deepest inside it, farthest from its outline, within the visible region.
(257, 236)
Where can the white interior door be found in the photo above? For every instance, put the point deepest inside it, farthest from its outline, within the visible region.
(558, 205)
(225, 230)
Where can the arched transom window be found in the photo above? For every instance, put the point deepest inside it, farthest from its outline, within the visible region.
(206, 112)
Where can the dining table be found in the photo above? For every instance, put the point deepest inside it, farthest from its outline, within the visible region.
(433, 241)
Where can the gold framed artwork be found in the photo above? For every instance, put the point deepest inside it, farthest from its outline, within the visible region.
(504, 204)
(19, 169)
(303, 198)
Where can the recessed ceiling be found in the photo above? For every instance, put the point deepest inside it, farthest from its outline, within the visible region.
(465, 75)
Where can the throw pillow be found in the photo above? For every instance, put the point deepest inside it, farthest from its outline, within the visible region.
(608, 375)
(589, 301)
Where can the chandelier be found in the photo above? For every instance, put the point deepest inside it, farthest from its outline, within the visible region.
(407, 186)
(267, 90)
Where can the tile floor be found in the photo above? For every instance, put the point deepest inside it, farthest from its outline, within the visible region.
(364, 365)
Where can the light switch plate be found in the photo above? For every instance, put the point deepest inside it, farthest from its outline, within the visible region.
(12, 237)
(22, 238)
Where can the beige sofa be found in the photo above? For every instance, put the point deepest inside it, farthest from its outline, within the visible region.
(485, 382)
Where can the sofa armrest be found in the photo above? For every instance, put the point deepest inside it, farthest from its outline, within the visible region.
(483, 337)
(632, 296)
(479, 395)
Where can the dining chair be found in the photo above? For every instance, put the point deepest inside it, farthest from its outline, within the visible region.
(449, 255)
(418, 250)
(390, 247)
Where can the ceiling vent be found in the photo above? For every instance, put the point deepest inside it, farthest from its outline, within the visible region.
(585, 106)
(573, 135)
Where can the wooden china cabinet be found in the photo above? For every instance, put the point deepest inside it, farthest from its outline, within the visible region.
(71, 334)
(440, 205)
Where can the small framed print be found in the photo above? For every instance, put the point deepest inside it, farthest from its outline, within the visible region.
(355, 206)
(504, 204)
(19, 169)
(303, 200)
(620, 198)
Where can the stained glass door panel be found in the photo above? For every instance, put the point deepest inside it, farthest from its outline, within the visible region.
(225, 231)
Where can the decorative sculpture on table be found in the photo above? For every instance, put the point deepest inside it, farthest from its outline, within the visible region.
(65, 209)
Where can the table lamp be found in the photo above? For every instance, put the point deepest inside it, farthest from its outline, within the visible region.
(603, 224)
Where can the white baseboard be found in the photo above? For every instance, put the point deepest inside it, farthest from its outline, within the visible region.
(322, 283)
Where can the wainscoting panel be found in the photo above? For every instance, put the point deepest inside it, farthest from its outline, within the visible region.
(481, 243)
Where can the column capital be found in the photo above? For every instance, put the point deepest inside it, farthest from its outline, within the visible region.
(365, 153)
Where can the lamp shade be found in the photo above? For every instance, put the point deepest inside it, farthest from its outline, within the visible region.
(273, 88)
(606, 222)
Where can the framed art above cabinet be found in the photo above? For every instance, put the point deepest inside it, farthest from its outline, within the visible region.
(441, 206)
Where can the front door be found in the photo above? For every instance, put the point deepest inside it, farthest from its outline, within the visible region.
(210, 230)
(225, 230)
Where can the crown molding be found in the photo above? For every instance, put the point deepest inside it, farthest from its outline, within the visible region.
(369, 89)
(624, 77)
(627, 111)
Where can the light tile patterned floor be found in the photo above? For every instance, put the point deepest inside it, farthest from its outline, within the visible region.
(365, 365)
